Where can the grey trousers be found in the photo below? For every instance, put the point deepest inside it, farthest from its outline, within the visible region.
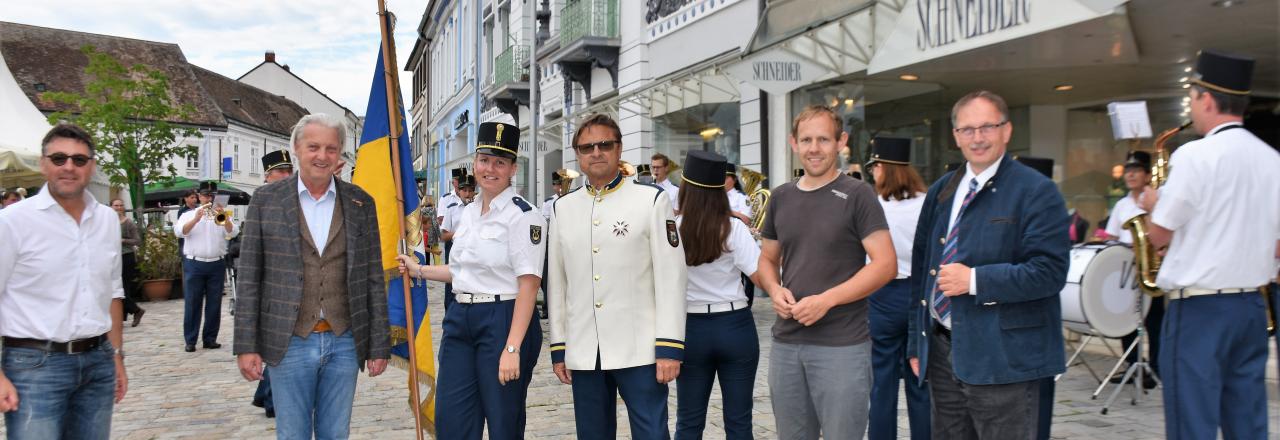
(820, 390)
(965, 411)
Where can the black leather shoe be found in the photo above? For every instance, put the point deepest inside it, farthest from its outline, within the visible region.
(191, 348)
(257, 403)
(271, 414)
(212, 345)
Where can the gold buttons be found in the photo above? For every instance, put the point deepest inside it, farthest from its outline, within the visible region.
(595, 250)
(595, 222)
(598, 199)
(597, 277)
(599, 305)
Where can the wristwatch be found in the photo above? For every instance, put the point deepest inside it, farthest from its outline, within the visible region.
(119, 352)
(512, 349)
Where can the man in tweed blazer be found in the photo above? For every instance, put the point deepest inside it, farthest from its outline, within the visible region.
(312, 302)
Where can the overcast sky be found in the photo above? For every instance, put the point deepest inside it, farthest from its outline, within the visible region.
(332, 44)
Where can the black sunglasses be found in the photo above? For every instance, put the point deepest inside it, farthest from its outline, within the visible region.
(60, 159)
(604, 146)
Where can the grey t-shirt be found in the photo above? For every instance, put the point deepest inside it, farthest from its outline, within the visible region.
(821, 233)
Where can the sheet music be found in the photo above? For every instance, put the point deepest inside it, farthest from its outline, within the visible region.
(1129, 120)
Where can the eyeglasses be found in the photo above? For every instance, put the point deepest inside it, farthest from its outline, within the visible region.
(986, 130)
(604, 146)
(60, 159)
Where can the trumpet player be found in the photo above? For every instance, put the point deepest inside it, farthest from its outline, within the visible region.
(204, 270)
(1218, 215)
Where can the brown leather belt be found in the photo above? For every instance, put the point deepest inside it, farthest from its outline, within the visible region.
(321, 327)
(74, 347)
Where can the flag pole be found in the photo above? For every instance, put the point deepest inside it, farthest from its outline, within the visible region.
(393, 118)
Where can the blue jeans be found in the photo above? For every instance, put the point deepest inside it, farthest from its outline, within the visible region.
(720, 345)
(67, 396)
(314, 387)
(202, 290)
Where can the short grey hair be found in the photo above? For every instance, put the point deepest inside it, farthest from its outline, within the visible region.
(987, 95)
(323, 120)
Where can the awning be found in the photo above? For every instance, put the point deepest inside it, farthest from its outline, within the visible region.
(801, 42)
(171, 191)
(19, 169)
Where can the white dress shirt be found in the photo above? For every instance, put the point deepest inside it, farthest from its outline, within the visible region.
(1125, 209)
(962, 191)
(739, 203)
(207, 239)
(672, 191)
(1222, 200)
(490, 251)
(318, 212)
(57, 278)
(452, 214)
(720, 281)
(549, 205)
(903, 215)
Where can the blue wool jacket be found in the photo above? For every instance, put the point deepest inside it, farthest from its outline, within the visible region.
(1015, 234)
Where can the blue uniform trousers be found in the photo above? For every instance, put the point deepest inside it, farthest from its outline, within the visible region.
(720, 344)
(468, 391)
(1213, 362)
(202, 289)
(595, 402)
(890, 310)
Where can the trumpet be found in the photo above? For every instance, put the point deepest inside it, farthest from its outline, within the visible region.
(219, 216)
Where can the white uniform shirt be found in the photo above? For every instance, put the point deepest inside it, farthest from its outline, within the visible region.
(720, 281)
(57, 278)
(318, 213)
(1222, 200)
(738, 203)
(549, 205)
(672, 190)
(447, 204)
(1125, 209)
(490, 251)
(903, 215)
(206, 239)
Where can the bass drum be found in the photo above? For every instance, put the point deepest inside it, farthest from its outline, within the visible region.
(1101, 296)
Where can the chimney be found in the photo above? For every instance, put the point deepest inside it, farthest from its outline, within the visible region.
(270, 56)
(286, 67)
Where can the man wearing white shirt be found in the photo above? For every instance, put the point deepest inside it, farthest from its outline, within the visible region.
(61, 301)
(204, 270)
(1218, 215)
(661, 166)
(451, 220)
(1137, 175)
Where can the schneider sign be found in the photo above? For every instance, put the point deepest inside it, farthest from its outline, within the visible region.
(943, 22)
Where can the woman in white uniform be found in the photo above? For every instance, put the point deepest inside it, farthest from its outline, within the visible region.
(720, 333)
(901, 193)
(490, 341)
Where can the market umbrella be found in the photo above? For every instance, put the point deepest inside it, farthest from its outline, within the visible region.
(170, 191)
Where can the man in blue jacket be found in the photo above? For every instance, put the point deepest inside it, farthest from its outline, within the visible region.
(992, 246)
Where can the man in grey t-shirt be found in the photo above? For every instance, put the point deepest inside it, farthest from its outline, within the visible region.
(820, 231)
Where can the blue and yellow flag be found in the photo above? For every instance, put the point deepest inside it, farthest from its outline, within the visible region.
(373, 173)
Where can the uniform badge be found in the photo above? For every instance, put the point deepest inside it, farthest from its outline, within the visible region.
(620, 228)
(535, 234)
(673, 237)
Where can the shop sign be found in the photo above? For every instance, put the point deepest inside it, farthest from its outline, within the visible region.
(777, 71)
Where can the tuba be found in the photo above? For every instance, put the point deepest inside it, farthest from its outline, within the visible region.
(757, 195)
(1145, 255)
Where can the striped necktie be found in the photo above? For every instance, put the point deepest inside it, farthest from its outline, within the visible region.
(942, 302)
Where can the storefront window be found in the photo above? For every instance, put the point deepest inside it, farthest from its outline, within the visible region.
(710, 127)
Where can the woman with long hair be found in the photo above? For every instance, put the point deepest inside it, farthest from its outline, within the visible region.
(720, 334)
(901, 192)
(490, 341)
(130, 238)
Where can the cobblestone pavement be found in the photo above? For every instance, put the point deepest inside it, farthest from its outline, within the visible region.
(201, 395)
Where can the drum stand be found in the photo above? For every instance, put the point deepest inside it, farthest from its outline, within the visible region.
(1134, 374)
(1072, 361)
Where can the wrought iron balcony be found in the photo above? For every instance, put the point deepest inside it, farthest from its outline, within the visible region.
(511, 66)
(588, 18)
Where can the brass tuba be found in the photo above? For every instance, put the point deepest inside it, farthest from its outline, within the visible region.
(1145, 255)
(757, 195)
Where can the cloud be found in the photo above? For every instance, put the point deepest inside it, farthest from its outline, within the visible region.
(332, 44)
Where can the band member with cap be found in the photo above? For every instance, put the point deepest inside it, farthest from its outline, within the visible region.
(1044, 419)
(644, 173)
(1137, 176)
(464, 189)
(204, 269)
(1218, 215)
(617, 291)
(491, 341)
(278, 165)
(818, 276)
(739, 205)
(900, 191)
(722, 342)
(990, 258)
(558, 186)
(661, 166)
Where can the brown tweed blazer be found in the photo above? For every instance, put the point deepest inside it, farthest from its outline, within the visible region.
(270, 273)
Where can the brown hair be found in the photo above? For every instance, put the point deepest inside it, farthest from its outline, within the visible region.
(898, 181)
(1234, 105)
(987, 95)
(814, 111)
(705, 223)
(666, 161)
(600, 119)
(67, 130)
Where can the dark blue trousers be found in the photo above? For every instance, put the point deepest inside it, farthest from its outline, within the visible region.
(890, 310)
(595, 402)
(1045, 420)
(263, 393)
(448, 287)
(721, 345)
(202, 284)
(468, 391)
(1275, 312)
(1213, 366)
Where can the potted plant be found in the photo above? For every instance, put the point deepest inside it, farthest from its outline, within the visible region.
(158, 264)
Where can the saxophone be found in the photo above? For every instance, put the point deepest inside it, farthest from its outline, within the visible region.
(1145, 255)
(757, 195)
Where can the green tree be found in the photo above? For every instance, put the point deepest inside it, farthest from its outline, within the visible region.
(131, 114)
